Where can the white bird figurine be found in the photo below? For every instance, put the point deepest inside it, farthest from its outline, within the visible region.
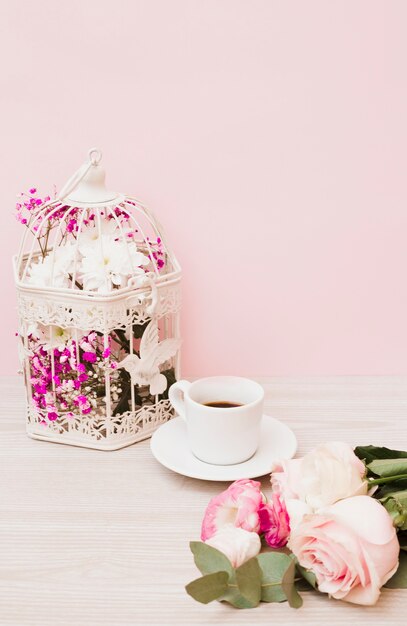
(145, 369)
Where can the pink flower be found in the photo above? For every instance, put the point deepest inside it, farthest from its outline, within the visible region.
(237, 544)
(89, 356)
(106, 353)
(329, 473)
(86, 346)
(274, 522)
(238, 505)
(351, 546)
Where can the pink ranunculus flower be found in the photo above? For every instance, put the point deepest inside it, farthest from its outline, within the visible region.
(238, 505)
(274, 522)
(237, 544)
(350, 546)
(329, 473)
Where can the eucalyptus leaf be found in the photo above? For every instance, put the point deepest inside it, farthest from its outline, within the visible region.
(308, 576)
(388, 467)
(399, 579)
(396, 505)
(249, 578)
(235, 598)
(273, 566)
(293, 597)
(233, 595)
(370, 453)
(209, 587)
(209, 560)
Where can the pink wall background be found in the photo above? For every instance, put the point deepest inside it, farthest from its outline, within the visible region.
(269, 137)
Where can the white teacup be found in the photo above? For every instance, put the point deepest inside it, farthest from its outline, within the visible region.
(216, 434)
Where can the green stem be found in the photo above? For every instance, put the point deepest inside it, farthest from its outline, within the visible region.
(277, 584)
(386, 479)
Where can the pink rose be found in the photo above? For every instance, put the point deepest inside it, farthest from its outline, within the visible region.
(330, 472)
(238, 505)
(350, 546)
(274, 522)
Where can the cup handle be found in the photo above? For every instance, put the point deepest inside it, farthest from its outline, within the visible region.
(176, 396)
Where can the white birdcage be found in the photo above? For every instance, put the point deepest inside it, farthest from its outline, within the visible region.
(99, 301)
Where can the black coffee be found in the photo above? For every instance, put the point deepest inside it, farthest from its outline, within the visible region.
(222, 404)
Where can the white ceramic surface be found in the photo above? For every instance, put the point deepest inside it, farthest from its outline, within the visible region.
(169, 446)
(218, 435)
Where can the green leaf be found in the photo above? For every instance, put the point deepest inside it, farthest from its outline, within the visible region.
(209, 560)
(370, 453)
(209, 587)
(235, 598)
(308, 576)
(293, 597)
(388, 467)
(395, 504)
(399, 579)
(390, 487)
(248, 578)
(273, 566)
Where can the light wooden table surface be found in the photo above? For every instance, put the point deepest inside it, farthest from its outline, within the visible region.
(101, 538)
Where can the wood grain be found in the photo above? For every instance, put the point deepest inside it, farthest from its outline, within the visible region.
(101, 538)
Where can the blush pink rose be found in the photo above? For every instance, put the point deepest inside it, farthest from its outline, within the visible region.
(329, 473)
(238, 505)
(274, 522)
(350, 546)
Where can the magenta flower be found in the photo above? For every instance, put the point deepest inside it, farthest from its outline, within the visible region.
(81, 399)
(106, 353)
(238, 505)
(274, 522)
(89, 356)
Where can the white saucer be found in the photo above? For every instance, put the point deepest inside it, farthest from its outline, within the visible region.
(169, 446)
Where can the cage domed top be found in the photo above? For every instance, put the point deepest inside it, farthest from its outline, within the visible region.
(92, 241)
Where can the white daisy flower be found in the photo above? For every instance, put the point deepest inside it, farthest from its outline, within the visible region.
(53, 270)
(55, 337)
(111, 263)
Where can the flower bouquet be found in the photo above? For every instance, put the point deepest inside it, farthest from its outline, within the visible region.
(335, 522)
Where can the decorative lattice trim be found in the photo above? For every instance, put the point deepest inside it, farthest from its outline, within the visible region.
(129, 427)
(88, 315)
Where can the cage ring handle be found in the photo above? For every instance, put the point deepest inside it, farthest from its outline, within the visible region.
(94, 158)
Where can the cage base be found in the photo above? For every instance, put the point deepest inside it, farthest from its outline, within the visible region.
(90, 445)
